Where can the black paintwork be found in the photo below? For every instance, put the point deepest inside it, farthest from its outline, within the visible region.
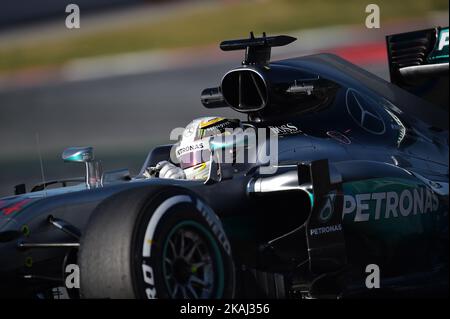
(411, 139)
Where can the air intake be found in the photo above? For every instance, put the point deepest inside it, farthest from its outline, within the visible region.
(245, 90)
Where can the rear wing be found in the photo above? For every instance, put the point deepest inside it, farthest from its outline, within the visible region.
(419, 63)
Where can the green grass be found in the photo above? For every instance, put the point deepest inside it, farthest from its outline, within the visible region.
(210, 25)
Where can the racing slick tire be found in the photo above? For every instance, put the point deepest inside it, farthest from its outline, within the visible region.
(168, 245)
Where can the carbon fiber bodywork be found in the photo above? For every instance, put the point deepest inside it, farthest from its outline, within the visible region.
(362, 179)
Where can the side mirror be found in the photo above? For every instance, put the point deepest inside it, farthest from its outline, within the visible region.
(85, 155)
(78, 154)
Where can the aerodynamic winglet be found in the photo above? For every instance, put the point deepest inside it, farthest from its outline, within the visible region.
(257, 49)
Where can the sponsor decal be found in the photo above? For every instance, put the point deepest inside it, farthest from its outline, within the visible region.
(204, 124)
(391, 204)
(443, 40)
(190, 148)
(14, 208)
(149, 279)
(440, 52)
(325, 230)
(285, 129)
(340, 137)
(189, 131)
(364, 111)
(215, 224)
(328, 209)
(219, 126)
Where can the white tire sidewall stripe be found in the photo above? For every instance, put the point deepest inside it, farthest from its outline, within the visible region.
(156, 217)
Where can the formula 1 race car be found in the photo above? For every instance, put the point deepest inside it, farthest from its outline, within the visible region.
(356, 204)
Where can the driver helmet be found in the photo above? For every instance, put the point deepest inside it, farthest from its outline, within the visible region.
(193, 152)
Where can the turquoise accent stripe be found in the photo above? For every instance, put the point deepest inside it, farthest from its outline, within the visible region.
(311, 199)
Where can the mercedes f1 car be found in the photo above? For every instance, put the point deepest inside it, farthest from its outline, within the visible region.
(361, 183)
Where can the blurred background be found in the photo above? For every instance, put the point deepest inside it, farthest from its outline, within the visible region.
(135, 68)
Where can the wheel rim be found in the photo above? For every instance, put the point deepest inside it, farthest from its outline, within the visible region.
(192, 263)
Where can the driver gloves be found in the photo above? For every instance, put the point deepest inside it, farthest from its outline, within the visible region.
(169, 170)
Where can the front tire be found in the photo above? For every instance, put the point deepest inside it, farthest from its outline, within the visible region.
(170, 245)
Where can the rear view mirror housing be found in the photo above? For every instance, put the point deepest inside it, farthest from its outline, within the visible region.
(85, 155)
(78, 154)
